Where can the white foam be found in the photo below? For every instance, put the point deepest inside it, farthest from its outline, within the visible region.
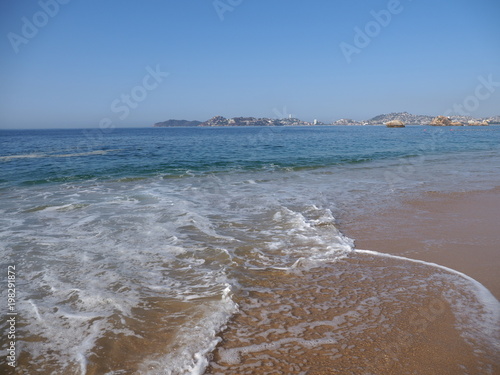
(486, 320)
(26, 156)
(37, 156)
(196, 340)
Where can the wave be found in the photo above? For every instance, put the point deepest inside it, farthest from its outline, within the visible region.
(38, 156)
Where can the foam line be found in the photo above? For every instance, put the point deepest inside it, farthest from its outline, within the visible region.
(486, 297)
(489, 322)
(37, 156)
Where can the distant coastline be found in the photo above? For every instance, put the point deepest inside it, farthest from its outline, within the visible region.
(382, 119)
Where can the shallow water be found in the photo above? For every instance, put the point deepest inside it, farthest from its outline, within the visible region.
(362, 314)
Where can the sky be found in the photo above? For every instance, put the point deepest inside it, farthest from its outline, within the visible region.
(90, 63)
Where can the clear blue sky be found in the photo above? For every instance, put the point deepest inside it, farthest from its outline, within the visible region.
(263, 56)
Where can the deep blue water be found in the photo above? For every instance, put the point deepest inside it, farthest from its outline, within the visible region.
(29, 157)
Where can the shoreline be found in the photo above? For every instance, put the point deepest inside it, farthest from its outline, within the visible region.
(364, 314)
(458, 230)
(373, 311)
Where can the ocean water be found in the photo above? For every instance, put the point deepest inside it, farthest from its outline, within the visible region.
(134, 249)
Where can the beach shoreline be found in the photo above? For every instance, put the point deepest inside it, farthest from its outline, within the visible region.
(374, 311)
(458, 230)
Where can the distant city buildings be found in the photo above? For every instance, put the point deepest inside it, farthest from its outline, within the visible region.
(404, 117)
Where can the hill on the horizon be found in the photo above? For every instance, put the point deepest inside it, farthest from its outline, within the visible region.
(170, 123)
(405, 117)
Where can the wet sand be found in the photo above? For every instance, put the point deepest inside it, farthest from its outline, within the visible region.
(369, 314)
(457, 230)
(360, 315)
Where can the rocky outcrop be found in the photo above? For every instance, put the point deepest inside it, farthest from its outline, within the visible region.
(441, 121)
(456, 123)
(478, 123)
(395, 124)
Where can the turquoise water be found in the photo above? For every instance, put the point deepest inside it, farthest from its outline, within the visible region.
(147, 234)
(39, 156)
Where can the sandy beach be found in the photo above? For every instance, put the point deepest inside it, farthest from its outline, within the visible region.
(458, 230)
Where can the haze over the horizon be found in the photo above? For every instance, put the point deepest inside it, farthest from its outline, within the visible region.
(130, 63)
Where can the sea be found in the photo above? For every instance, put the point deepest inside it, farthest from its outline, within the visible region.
(221, 250)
